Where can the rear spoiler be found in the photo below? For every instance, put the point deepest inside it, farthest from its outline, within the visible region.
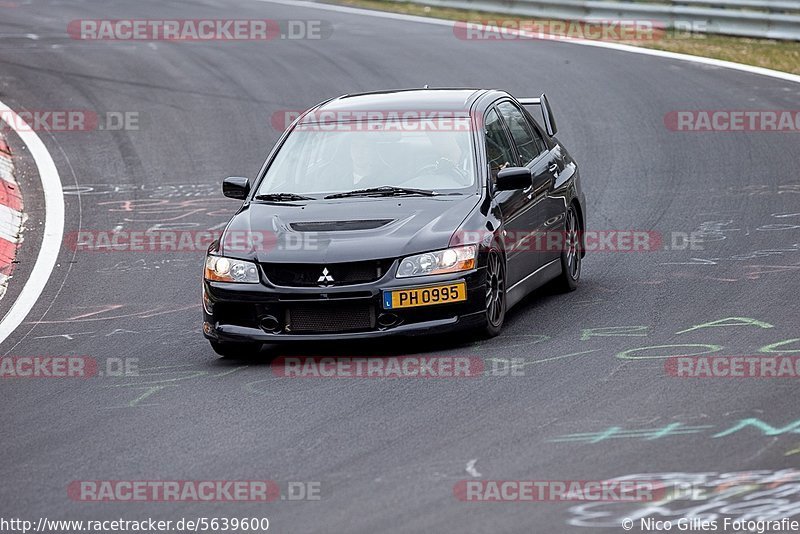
(543, 107)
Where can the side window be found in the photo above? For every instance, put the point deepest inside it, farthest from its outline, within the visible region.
(528, 141)
(498, 148)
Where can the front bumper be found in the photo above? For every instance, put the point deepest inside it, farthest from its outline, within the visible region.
(271, 314)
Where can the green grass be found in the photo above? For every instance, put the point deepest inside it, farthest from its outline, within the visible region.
(768, 53)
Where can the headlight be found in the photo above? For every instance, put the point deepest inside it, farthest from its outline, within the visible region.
(221, 269)
(449, 260)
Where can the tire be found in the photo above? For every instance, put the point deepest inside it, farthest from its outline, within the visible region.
(235, 350)
(495, 307)
(570, 253)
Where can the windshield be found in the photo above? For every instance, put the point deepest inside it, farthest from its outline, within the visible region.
(340, 157)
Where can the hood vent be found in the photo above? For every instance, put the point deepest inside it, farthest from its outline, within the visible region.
(338, 226)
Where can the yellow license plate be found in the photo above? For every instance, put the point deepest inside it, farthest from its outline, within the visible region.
(425, 296)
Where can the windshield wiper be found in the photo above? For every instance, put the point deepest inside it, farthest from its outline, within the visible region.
(384, 191)
(282, 197)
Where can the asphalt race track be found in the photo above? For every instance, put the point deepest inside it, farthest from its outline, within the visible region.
(595, 401)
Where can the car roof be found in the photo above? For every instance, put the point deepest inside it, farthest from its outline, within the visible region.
(456, 101)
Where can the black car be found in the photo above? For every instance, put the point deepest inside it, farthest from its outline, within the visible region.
(399, 212)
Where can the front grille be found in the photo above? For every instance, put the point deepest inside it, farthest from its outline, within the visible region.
(311, 274)
(330, 317)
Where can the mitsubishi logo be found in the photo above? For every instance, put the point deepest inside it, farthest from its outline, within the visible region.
(326, 278)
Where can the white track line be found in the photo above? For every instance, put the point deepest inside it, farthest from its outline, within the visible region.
(53, 225)
(584, 42)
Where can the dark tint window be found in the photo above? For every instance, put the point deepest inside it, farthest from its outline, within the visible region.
(527, 139)
(498, 148)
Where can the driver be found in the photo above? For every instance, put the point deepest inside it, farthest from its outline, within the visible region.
(368, 167)
(449, 152)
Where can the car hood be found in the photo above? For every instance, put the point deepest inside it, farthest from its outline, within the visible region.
(340, 230)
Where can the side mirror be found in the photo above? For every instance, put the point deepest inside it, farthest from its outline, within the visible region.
(547, 115)
(543, 107)
(512, 178)
(236, 187)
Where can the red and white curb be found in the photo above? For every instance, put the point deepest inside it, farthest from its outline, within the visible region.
(53, 222)
(12, 216)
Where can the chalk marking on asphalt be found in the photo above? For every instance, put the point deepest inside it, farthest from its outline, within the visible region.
(53, 224)
(471, 468)
(68, 337)
(585, 42)
(793, 451)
